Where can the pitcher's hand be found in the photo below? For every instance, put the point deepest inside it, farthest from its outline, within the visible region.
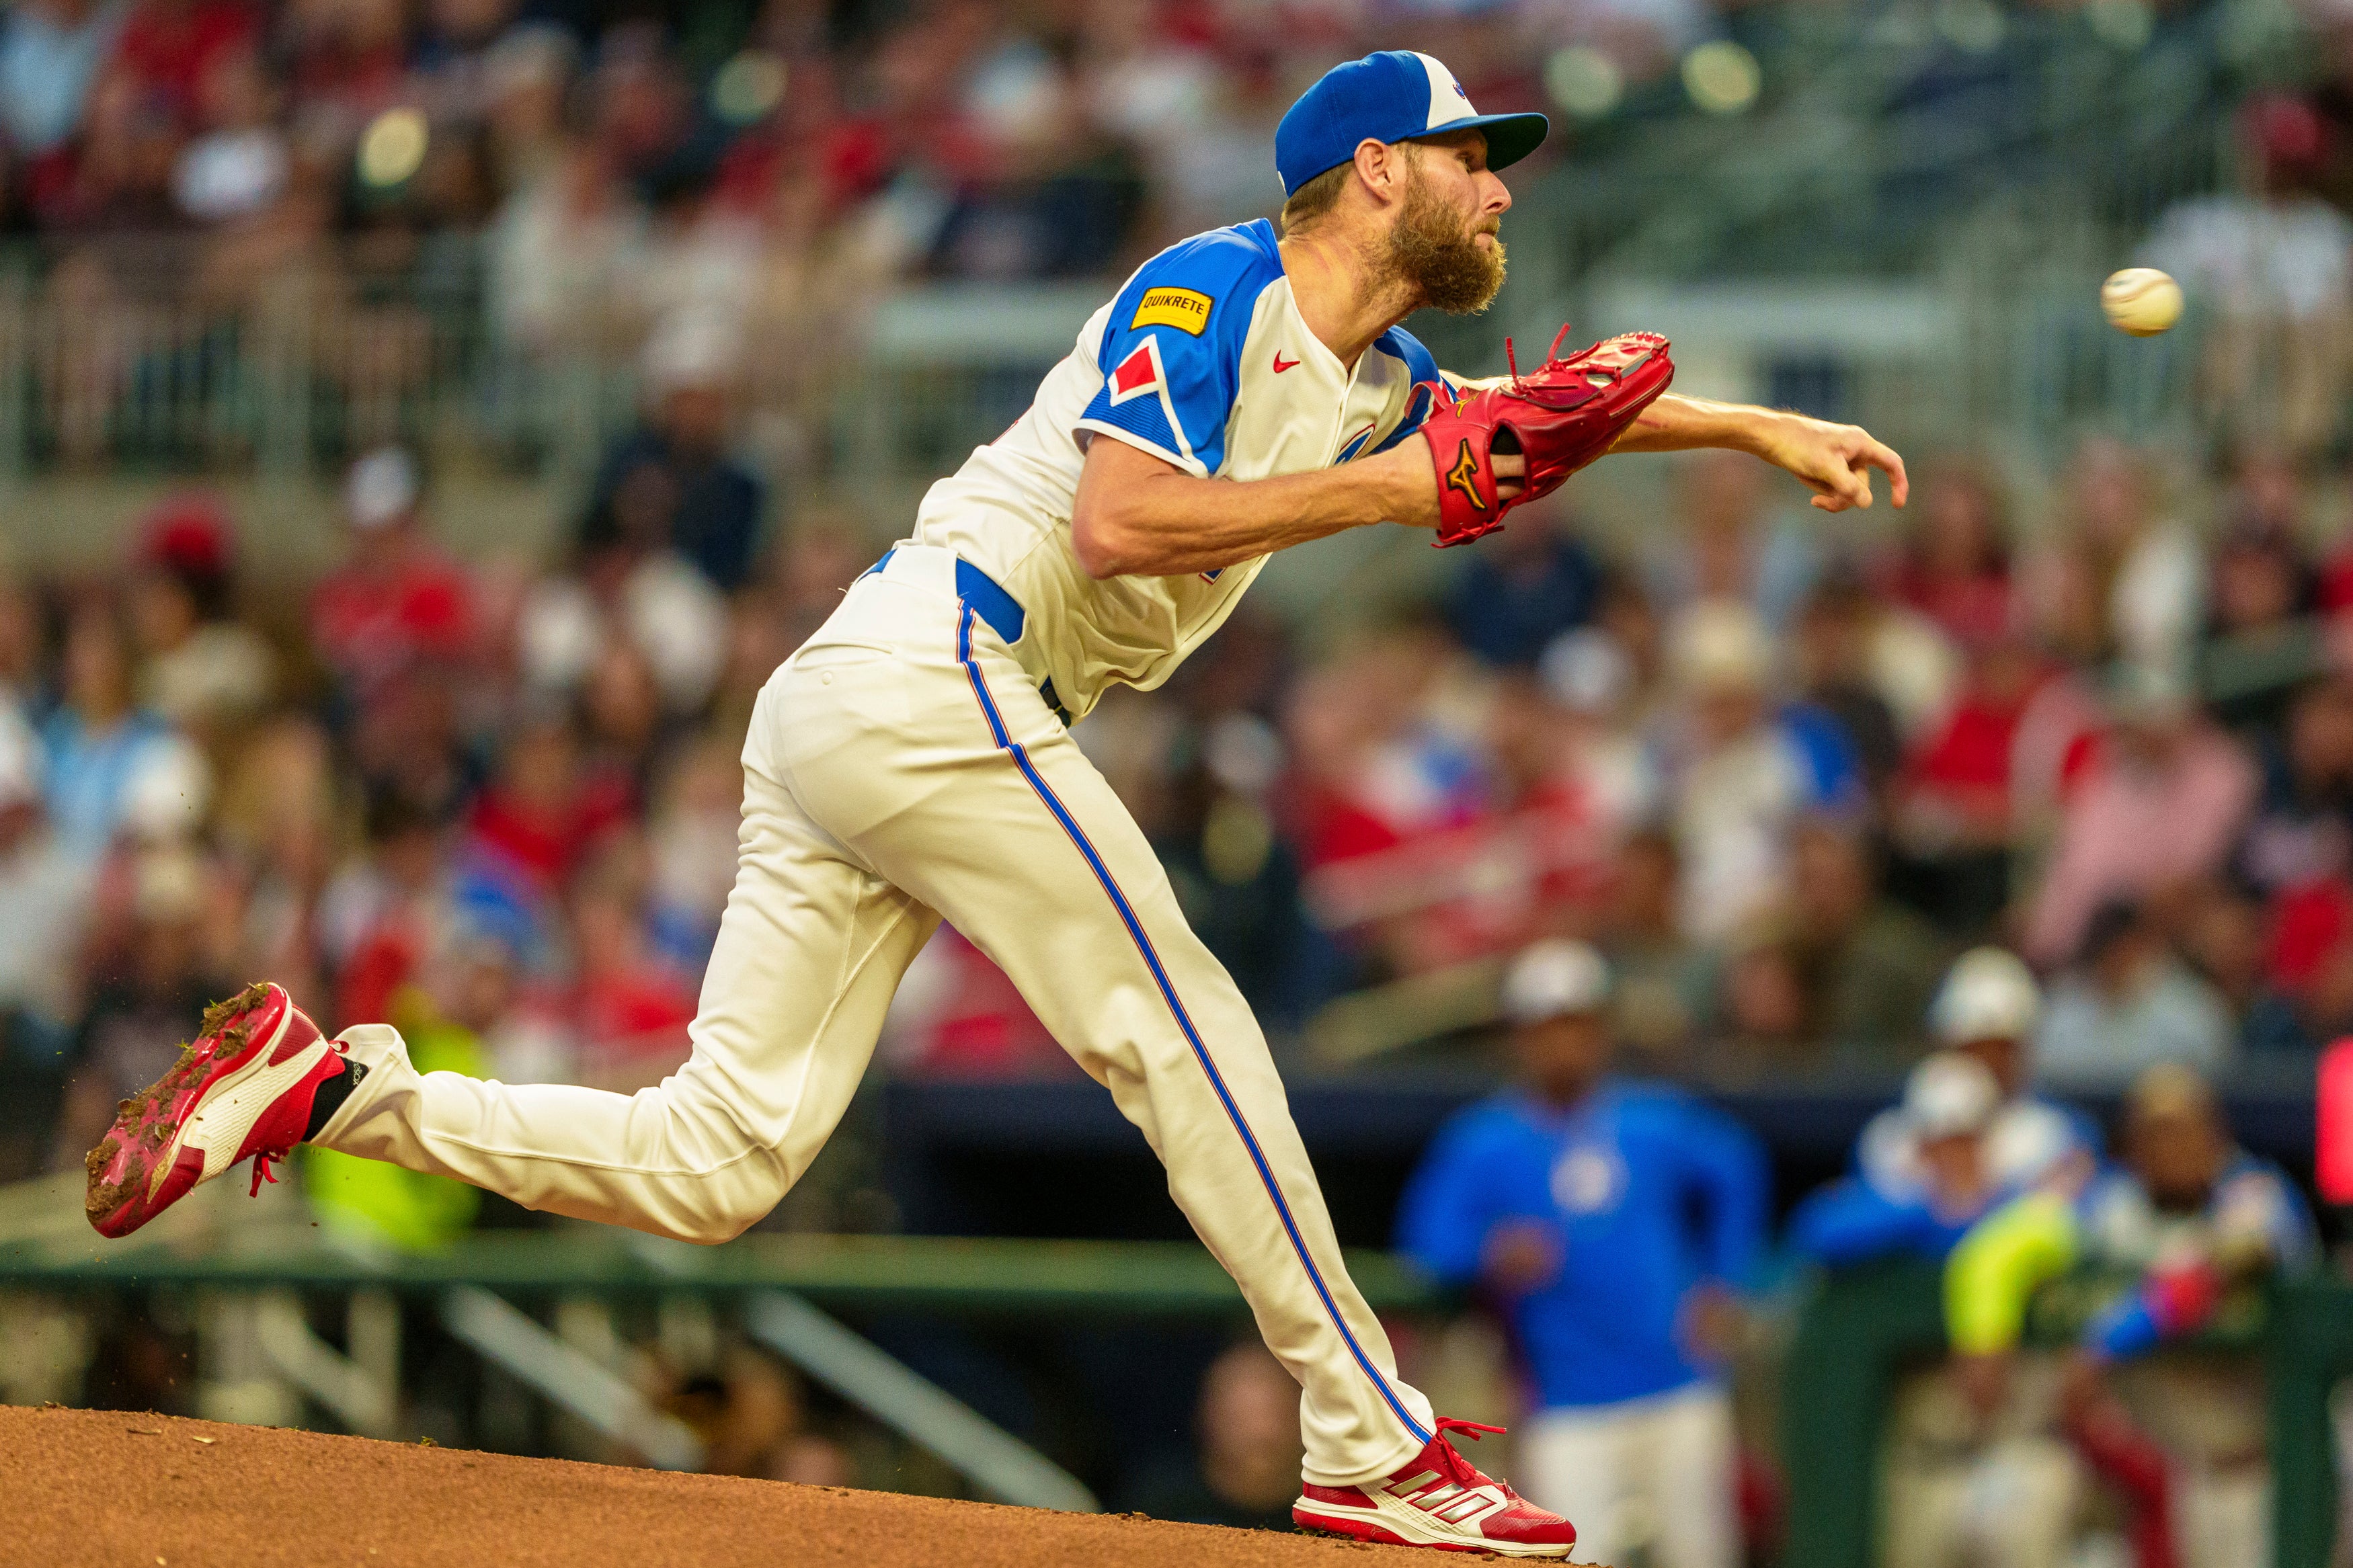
(1833, 460)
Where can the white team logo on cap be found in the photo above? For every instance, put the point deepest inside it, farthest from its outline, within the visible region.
(1442, 86)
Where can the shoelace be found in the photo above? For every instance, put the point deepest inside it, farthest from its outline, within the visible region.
(1459, 1470)
(264, 1158)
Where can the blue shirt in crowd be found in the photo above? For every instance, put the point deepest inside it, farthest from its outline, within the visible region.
(1851, 1221)
(1507, 605)
(1649, 1193)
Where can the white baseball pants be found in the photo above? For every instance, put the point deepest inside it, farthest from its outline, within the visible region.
(1654, 1476)
(900, 768)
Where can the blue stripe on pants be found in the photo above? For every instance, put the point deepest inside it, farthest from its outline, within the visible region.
(1006, 743)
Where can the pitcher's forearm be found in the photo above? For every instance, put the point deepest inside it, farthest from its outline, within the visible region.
(1676, 423)
(1834, 461)
(1140, 517)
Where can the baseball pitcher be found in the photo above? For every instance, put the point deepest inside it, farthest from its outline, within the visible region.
(1245, 390)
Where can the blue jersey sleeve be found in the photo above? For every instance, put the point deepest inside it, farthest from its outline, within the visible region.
(1849, 1222)
(1171, 349)
(1451, 1201)
(1724, 1166)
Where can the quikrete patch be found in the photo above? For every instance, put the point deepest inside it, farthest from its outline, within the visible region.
(1182, 309)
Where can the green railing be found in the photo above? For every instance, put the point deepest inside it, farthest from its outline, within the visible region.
(1860, 1328)
(845, 1273)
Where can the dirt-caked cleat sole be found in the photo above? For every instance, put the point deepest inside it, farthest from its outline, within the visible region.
(242, 1088)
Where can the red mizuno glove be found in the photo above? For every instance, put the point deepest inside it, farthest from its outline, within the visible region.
(1558, 419)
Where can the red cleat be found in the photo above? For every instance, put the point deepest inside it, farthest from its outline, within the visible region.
(1438, 1498)
(243, 1088)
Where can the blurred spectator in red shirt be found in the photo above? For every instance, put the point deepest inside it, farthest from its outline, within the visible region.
(542, 811)
(1957, 790)
(956, 1015)
(1955, 813)
(376, 917)
(629, 1008)
(1371, 771)
(1531, 861)
(166, 47)
(397, 601)
(2307, 999)
(2298, 854)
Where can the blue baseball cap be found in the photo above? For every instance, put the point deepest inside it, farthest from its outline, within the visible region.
(1393, 96)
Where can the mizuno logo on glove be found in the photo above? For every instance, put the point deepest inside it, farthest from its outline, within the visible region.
(1464, 477)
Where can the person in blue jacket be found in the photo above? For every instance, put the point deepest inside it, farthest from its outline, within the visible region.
(1616, 1222)
(1947, 1120)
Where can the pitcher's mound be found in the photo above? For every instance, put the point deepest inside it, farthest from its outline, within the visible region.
(134, 1491)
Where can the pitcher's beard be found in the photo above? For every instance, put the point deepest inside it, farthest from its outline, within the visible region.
(1446, 266)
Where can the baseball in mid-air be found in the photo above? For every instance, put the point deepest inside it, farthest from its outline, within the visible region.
(2141, 301)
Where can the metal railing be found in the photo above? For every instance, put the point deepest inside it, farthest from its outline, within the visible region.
(127, 356)
(1996, 175)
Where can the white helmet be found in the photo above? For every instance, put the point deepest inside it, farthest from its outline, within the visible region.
(1987, 994)
(1555, 978)
(1948, 1094)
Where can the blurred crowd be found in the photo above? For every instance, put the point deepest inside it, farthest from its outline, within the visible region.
(1780, 775)
(391, 200)
(333, 181)
(1618, 1226)
(964, 137)
(2042, 789)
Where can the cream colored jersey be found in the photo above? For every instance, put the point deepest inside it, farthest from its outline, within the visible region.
(1202, 359)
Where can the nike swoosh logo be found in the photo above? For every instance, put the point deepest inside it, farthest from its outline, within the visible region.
(1278, 366)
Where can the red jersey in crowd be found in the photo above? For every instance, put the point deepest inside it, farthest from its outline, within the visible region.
(167, 45)
(370, 621)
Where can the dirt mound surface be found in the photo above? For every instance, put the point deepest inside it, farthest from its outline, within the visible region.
(82, 1486)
